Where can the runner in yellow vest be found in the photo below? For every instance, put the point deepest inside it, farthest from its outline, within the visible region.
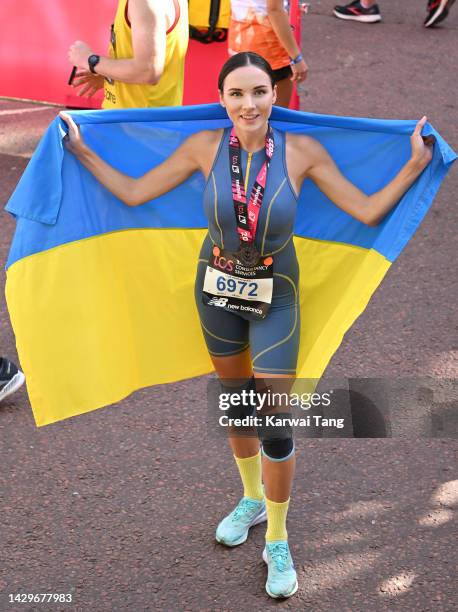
(147, 50)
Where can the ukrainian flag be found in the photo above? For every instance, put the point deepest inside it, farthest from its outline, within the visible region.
(101, 295)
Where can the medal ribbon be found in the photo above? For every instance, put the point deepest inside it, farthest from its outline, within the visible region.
(247, 216)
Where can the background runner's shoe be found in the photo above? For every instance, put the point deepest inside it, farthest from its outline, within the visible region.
(281, 575)
(233, 530)
(10, 378)
(437, 11)
(356, 12)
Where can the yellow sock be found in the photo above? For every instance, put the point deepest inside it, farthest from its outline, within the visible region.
(276, 520)
(251, 474)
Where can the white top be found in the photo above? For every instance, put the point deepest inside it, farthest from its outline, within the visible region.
(243, 10)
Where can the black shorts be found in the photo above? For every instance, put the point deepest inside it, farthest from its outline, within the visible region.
(282, 73)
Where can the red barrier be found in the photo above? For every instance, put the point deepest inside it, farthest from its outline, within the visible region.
(36, 35)
(203, 63)
(35, 38)
(295, 19)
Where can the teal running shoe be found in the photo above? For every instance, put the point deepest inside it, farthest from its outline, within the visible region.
(281, 575)
(233, 530)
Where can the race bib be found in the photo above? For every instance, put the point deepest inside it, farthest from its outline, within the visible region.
(230, 285)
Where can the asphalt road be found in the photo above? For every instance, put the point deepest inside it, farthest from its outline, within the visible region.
(118, 507)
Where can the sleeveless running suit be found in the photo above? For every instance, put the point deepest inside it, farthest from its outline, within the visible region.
(274, 341)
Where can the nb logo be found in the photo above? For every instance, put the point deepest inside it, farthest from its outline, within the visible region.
(218, 301)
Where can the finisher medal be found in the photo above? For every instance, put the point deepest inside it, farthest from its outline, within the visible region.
(248, 254)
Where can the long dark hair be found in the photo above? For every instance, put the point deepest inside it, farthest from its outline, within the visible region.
(245, 58)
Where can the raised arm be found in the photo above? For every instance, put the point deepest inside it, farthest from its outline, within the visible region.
(367, 209)
(194, 154)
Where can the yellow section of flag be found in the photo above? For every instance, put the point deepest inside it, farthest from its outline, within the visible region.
(98, 318)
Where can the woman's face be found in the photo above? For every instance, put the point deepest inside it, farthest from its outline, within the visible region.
(248, 97)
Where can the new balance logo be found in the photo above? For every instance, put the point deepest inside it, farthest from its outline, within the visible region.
(217, 301)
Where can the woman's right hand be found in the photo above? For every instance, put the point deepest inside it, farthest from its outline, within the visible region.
(73, 140)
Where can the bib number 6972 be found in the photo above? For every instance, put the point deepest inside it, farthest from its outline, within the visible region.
(231, 285)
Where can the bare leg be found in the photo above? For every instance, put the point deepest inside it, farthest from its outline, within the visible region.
(284, 91)
(238, 368)
(278, 475)
(278, 478)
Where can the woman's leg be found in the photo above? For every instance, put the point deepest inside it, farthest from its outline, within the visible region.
(278, 460)
(275, 345)
(278, 473)
(234, 371)
(284, 91)
(278, 464)
(226, 336)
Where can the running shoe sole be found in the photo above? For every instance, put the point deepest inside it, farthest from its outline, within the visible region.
(13, 385)
(296, 586)
(438, 16)
(260, 518)
(362, 18)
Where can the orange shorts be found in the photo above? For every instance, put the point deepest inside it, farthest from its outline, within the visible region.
(258, 37)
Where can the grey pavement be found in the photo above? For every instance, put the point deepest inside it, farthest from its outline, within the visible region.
(118, 507)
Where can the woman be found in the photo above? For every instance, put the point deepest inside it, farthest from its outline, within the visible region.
(262, 26)
(252, 250)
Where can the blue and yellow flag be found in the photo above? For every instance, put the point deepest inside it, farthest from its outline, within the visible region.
(101, 294)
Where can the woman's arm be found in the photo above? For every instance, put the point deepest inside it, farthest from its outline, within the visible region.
(367, 209)
(280, 24)
(174, 170)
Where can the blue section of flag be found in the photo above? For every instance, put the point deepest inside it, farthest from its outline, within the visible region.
(58, 201)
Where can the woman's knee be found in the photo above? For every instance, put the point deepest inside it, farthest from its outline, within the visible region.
(236, 368)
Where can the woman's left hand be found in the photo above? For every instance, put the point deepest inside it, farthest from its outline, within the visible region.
(299, 71)
(422, 146)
